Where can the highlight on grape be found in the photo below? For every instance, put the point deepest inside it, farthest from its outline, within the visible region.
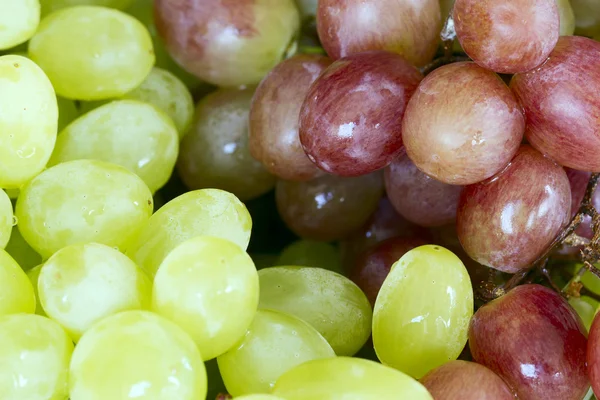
(299, 199)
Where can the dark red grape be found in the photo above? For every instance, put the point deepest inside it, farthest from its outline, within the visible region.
(350, 122)
(593, 356)
(462, 125)
(509, 220)
(534, 340)
(562, 105)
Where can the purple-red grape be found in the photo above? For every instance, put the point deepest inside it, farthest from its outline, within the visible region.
(464, 380)
(350, 122)
(508, 221)
(409, 28)
(418, 197)
(593, 356)
(534, 340)
(274, 138)
(562, 105)
(462, 125)
(507, 36)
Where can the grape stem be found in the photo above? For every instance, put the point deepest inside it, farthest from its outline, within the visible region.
(223, 396)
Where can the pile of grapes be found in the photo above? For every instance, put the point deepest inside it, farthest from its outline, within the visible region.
(299, 199)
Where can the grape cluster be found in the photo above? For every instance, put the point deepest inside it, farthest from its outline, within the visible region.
(299, 199)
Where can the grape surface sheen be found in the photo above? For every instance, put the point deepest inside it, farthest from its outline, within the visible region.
(16, 292)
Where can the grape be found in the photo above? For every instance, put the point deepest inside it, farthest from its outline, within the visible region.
(128, 133)
(328, 207)
(371, 268)
(509, 36)
(593, 356)
(21, 251)
(16, 292)
(215, 154)
(508, 221)
(274, 343)
(137, 354)
(6, 219)
(227, 43)
(19, 20)
(274, 139)
(209, 287)
(567, 17)
(422, 312)
(49, 6)
(350, 122)
(418, 197)
(308, 8)
(462, 125)
(84, 283)
(533, 340)
(466, 381)
(259, 397)
(561, 103)
(29, 120)
(405, 27)
(310, 253)
(80, 202)
(587, 17)
(33, 274)
(67, 112)
(586, 308)
(347, 378)
(330, 302)
(209, 212)
(92, 53)
(35, 354)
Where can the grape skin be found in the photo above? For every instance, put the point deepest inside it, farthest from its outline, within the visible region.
(33, 274)
(6, 219)
(17, 291)
(19, 20)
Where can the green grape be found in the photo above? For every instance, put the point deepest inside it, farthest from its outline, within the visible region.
(308, 8)
(209, 212)
(29, 120)
(567, 17)
(12, 193)
(35, 353)
(330, 302)
(167, 93)
(83, 283)
(274, 343)
(587, 17)
(82, 201)
(264, 260)
(6, 219)
(128, 133)
(136, 354)
(33, 274)
(21, 251)
(92, 53)
(586, 307)
(18, 21)
(49, 6)
(259, 397)
(589, 280)
(422, 312)
(67, 112)
(344, 378)
(16, 292)
(209, 287)
(311, 253)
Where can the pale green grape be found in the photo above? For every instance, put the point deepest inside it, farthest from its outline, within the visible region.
(209, 287)
(29, 120)
(310, 253)
(344, 378)
(83, 283)
(586, 307)
(136, 354)
(275, 343)
(264, 260)
(92, 53)
(6, 219)
(210, 212)
(128, 133)
(49, 6)
(422, 312)
(259, 397)
(589, 280)
(12, 193)
(21, 251)
(16, 292)
(330, 302)
(567, 17)
(81, 202)
(35, 353)
(33, 274)
(308, 8)
(67, 112)
(167, 93)
(18, 21)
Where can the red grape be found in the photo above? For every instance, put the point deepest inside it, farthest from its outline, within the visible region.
(509, 220)
(562, 105)
(274, 139)
(507, 36)
(418, 197)
(462, 125)
(593, 356)
(535, 341)
(350, 122)
(410, 28)
(463, 380)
